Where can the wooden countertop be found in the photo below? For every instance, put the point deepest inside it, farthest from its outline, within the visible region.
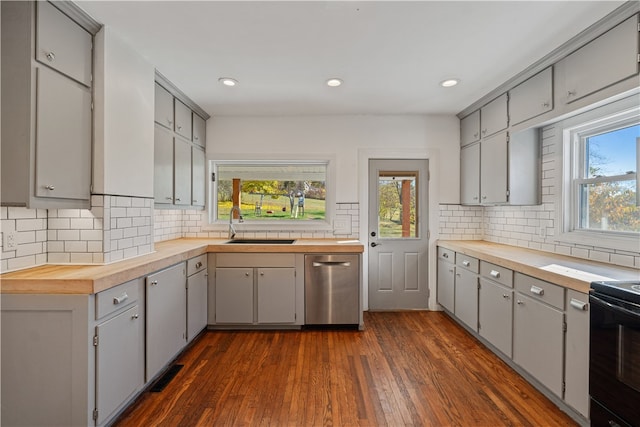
(90, 279)
(570, 272)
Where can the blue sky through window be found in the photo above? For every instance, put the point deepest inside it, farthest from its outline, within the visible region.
(614, 153)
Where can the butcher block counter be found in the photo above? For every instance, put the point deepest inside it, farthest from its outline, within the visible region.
(569, 272)
(91, 279)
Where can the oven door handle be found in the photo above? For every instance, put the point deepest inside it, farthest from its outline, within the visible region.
(613, 307)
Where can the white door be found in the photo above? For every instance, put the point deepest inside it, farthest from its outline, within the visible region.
(398, 243)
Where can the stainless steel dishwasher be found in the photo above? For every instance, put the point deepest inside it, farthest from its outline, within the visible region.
(332, 289)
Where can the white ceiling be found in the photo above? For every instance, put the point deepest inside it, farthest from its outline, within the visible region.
(390, 54)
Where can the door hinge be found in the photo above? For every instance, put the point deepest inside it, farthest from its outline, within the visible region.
(95, 414)
(478, 285)
(428, 175)
(92, 106)
(564, 387)
(478, 325)
(95, 340)
(564, 326)
(213, 177)
(638, 57)
(428, 234)
(295, 273)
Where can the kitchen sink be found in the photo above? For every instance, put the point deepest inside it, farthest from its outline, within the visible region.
(261, 241)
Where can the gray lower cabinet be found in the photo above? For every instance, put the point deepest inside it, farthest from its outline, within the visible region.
(166, 314)
(234, 295)
(576, 365)
(276, 295)
(538, 331)
(446, 279)
(466, 291)
(46, 107)
(197, 290)
(495, 315)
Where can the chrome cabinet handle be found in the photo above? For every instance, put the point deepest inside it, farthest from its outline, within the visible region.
(195, 201)
(475, 135)
(262, 273)
(196, 138)
(179, 127)
(458, 274)
(50, 56)
(451, 270)
(198, 264)
(466, 263)
(571, 93)
(168, 198)
(135, 316)
(153, 282)
(495, 274)
(537, 291)
(484, 197)
(546, 104)
(177, 199)
(580, 305)
(484, 131)
(169, 121)
(445, 255)
(50, 187)
(505, 296)
(122, 298)
(520, 302)
(246, 274)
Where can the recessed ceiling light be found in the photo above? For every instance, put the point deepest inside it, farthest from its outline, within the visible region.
(449, 82)
(334, 82)
(228, 81)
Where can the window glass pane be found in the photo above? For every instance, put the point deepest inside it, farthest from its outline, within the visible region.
(397, 205)
(609, 206)
(272, 191)
(611, 153)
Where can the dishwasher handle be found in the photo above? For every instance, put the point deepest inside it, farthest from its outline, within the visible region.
(331, 264)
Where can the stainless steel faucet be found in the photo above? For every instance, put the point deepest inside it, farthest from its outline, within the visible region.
(232, 230)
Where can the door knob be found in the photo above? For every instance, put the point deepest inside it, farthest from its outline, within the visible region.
(373, 234)
(374, 244)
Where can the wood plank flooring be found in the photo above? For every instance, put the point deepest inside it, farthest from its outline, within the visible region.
(406, 369)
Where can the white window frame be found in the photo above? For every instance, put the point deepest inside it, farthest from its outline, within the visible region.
(625, 112)
(281, 225)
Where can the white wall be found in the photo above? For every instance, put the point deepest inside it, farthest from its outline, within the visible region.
(124, 111)
(342, 137)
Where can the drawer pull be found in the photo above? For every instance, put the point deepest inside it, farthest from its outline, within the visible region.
(505, 296)
(537, 291)
(445, 255)
(50, 56)
(154, 282)
(519, 302)
(119, 300)
(466, 263)
(198, 264)
(135, 316)
(580, 305)
(495, 274)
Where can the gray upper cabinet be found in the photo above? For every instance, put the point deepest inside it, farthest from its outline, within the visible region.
(470, 175)
(63, 45)
(532, 97)
(493, 169)
(606, 60)
(183, 120)
(182, 172)
(197, 177)
(494, 116)
(163, 166)
(163, 107)
(470, 128)
(199, 130)
(63, 137)
(46, 108)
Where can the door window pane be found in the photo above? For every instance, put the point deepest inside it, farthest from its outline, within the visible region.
(397, 205)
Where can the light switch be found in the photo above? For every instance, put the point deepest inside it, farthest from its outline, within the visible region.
(342, 224)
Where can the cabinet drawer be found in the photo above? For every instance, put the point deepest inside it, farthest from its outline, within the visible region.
(196, 264)
(446, 254)
(496, 273)
(62, 44)
(467, 262)
(540, 290)
(114, 299)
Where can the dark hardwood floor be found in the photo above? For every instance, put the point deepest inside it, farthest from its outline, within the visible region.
(407, 368)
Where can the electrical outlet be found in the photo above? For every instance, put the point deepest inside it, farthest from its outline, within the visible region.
(10, 240)
(542, 232)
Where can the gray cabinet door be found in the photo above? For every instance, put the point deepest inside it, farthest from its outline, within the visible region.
(166, 317)
(276, 295)
(62, 44)
(199, 130)
(446, 283)
(197, 177)
(494, 116)
(182, 172)
(163, 107)
(495, 315)
(119, 361)
(163, 166)
(183, 120)
(466, 297)
(470, 175)
(608, 59)
(576, 366)
(234, 295)
(538, 341)
(531, 98)
(493, 169)
(196, 303)
(63, 137)
(470, 128)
